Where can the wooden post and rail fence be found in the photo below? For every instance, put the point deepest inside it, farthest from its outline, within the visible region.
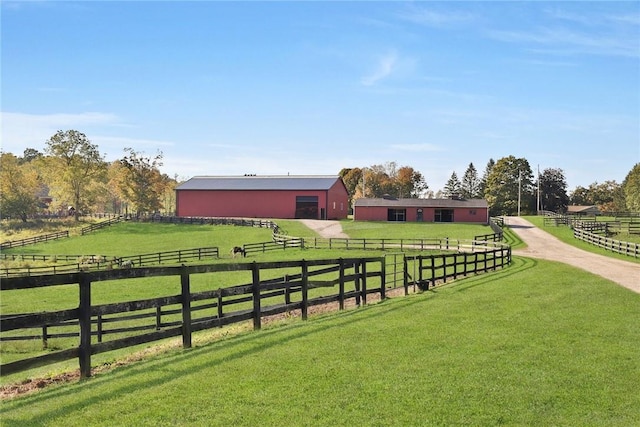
(269, 288)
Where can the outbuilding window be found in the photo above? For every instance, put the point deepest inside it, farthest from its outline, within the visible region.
(397, 215)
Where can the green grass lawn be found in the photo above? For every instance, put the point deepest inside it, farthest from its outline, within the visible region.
(538, 343)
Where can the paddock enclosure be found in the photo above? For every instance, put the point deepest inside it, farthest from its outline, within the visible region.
(180, 300)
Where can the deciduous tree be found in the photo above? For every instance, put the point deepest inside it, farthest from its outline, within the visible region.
(141, 182)
(19, 186)
(72, 166)
(631, 188)
(509, 181)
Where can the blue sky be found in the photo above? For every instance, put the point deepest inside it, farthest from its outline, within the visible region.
(228, 88)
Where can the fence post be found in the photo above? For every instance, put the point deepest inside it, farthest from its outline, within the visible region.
(255, 287)
(406, 274)
(432, 258)
(220, 313)
(287, 290)
(305, 290)
(84, 317)
(99, 328)
(341, 285)
(364, 283)
(383, 277)
(357, 282)
(45, 337)
(186, 307)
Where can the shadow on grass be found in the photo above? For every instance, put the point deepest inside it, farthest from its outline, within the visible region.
(518, 265)
(260, 341)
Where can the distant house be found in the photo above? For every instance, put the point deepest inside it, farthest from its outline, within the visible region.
(422, 210)
(583, 210)
(288, 197)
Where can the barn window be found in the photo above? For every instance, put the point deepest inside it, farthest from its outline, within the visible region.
(472, 212)
(334, 206)
(397, 215)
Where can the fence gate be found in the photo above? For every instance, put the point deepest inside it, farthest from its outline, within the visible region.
(394, 265)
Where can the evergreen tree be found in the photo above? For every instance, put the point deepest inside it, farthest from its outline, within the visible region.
(470, 186)
(482, 187)
(453, 186)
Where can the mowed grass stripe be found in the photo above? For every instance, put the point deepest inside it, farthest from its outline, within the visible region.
(538, 343)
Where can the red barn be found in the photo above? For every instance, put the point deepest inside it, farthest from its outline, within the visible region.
(427, 210)
(311, 197)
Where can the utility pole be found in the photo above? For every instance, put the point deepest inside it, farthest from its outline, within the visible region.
(538, 201)
(519, 189)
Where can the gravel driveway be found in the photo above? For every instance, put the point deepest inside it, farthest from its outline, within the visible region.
(326, 228)
(541, 244)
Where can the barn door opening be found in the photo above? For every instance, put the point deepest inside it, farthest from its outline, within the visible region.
(306, 207)
(444, 215)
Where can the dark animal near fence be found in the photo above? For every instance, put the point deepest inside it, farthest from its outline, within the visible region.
(238, 250)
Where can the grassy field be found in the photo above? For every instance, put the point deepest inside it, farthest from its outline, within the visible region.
(538, 343)
(131, 238)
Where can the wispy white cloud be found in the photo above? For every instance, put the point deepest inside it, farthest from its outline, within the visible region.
(432, 18)
(383, 69)
(566, 42)
(631, 19)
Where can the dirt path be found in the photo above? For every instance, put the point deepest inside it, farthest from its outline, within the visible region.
(541, 244)
(326, 229)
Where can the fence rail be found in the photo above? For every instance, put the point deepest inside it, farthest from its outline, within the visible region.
(618, 246)
(184, 313)
(244, 222)
(100, 225)
(102, 262)
(34, 240)
(142, 321)
(597, 232)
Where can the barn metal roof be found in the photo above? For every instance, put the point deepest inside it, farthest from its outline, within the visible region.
(254, 182)
(422, 203)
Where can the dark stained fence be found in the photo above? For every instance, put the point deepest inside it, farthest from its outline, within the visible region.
(34, 240)
(100, 225)
(427, 271)
(274, 288)
(184, 313)
(618, 246)
(242, 222)
(102, 262)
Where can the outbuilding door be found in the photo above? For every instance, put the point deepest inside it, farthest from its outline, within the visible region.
(307, 207)
(444, 215)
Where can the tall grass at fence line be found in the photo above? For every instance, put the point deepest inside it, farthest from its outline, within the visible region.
(565, 234)
(540, 343)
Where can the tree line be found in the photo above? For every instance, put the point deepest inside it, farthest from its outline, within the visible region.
(509, 185)
(71, 176)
